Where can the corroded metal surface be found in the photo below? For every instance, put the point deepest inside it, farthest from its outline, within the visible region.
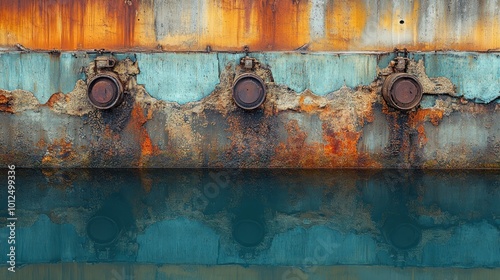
(263, 25)
(348, 127)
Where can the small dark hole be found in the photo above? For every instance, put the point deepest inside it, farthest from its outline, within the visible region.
(401, 22)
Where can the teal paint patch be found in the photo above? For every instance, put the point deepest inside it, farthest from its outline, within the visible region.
(475, 75)
(189, 77)
(42, 74)
(45, 241)
(319, 245)
(321, 73)
(470, 246)
(178, 77)
(178, 241)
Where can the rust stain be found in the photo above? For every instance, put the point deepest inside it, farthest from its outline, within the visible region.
(261, 24)
(5, 103)
(136, 126)
(54, 98)
(418, 118)
(344, 24)
(59, 150)
(422, 115)
(67, 25)
(408, 135)
(338, 150)
(229, 25)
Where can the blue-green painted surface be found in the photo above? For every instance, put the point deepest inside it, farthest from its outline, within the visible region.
(475, 75)
(187, 77)
(178, 77)
(321, 73)
(178, 241)
(42, 74)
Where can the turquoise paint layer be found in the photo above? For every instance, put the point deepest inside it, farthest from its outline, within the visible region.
(45, 241)
(42, 74)
(321, 73)
(178, 77)
(188, 77)
(476, 76)
(178, 241)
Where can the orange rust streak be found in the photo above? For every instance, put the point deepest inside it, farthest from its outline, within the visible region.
(418, 119)
(136, 124)
(264, 25)
(66, 25)
(5, 104)
(344, 24)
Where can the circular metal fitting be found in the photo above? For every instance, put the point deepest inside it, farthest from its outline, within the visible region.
(248, 233)
(249, 91)
(402, 232)
(402, 91)
(105, 91)
(103, 230)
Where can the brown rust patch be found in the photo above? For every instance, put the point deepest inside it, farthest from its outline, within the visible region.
(6, 103)
(59, 150)
(55, 98)
(136, 126)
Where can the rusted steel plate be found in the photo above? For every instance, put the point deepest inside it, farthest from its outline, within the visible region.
(263, 25)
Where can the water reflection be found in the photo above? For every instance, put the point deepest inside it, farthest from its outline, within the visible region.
(260, 217)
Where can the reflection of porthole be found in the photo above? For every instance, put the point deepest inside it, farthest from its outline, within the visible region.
(405, 236)
(248, 233)
(402, 91)
(103, 230)
(105, 91)
(249, 91)
(402, 232)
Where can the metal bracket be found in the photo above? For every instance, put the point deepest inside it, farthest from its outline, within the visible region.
(248, 63)
(102, 62)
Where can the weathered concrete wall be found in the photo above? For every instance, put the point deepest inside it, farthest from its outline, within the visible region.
(263, 25)
(319, 217)
(322, 110)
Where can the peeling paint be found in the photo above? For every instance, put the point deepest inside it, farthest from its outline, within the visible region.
(194, 122)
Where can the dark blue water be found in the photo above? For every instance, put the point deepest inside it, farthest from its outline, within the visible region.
(269, 218)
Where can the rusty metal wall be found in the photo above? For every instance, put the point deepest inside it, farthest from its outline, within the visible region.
(263, 25)
(321, 110)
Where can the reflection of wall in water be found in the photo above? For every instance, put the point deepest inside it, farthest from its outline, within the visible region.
(190, 216)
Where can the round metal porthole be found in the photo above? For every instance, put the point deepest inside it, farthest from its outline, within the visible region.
(402, 232)
(105, 91)
(248, 233)
(402, 91)
(249, 91)
(103, 230)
